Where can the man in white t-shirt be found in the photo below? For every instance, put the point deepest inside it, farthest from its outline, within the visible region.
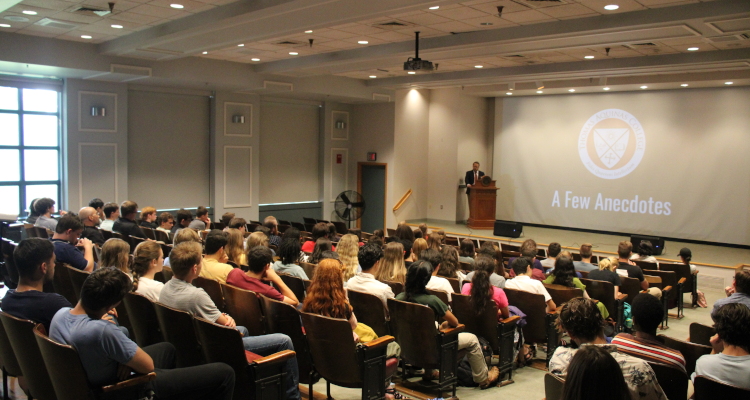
(437, 283)
(369, 259)
(553, 250)
(522, 267)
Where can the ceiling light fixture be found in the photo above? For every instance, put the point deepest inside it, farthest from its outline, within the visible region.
(693, 48)
(241, 45)
(486, 23)
(539, 85)
(539, 91)
(293, 53)
(309, 31)
(606, 88)
(411, 72)
(117, 26)
(28, 12)
(85, 37)
(509, 93)
(479, 66)
(434, 7)
(205, 52)
(255, 59)
(571, 90)
(611, 7)
(363, 42)
(589, 57)
(729, 83)
(373, 76)
(644, 87)
(4, 26)
(177, 6)
(684, 85)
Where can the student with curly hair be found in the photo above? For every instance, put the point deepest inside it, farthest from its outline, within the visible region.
(729, 362)
(289, 252)
(326, 295)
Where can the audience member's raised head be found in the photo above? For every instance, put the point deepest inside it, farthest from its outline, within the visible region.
(329, 254)
(289, 249)
(263, 229)
(331, 231)
(528, 248)
(271, 219)
(554, 249)
(521, 266)
(326, 295)
(32, 210)
(368, 256)
(407, 247)
(379, 233)
(686, 255)
(348, 248)
(417, 234)
(291, 233)
(35, 259)
(103, 290)
(201, 213)
(645, 248)
(227, 218)
(418, 247)
(594, 374)
(481, 289)
(185, 235)
(392, 268)
(258, 258)
(321, 244)
(732, 323)
(423, 228)
(448, 262)
(356, 232)
(609, 263)
(111, 211)
(148, 214)
(624, 249)
(467, 248)
(238, 223)
(147, 256)
(257, 238)
(215, 241)
(166, 220)
(184, 217)
(319, 230)
(581, 320)
(485, 264)
(271, 226)
(89, 216)
(564, 271)
(44, 206)
(441, 233)
(435, 241)
(404, 232)
(742, 281)
(585, 250)
(433, 257)
(116, 253)
(97, 204)
(648, 313)
(128, 209)
(417, 276)
(71, 225)
(184, 258)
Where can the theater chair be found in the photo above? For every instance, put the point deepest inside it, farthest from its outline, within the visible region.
(671, 293)
(165, 275)
(423, 344)
(213, 289)
(370, 311)
(605, 293)
(540, 325)
(499, 334)
(691, 351)
(9, 363)
(342, 362)
(562, 294)
(691, 281)
(69, 378)
(255, 376)
(143, 319)
(396, 287)
(63, 284)
(177, 328)
(20, 333)
(631, 287)
(673, 381)
(244, 306)
(295, 284)
(553, 387)
(701, 334)
(710, 389)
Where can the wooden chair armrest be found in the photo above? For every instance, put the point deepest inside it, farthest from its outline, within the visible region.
(453, 331)
(379, 342)
(138, 380)
(511, 319)
(557, 310)
(681, 281)
(281, 356)
(622, 297)
(666, 289)
(595, 301)
(643, 291)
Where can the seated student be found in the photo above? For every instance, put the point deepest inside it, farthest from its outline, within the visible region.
(255, 275)
(624, 251)
(417, 234)
(98, 205)
(423, 228)
(594, 374)
(111, 214)
(369, 259)
(321, 245)
(739, 292)
(436, 282)
(66, 240)
(148, 218)
(45, 207)
(33, 215)
(289, 254)
(415, 291)
(116, 254)
(564, 274)
(201, 221)
(358, 233)
(449, 267)
(686, 255)
(496, 280)
(35, 261)
(293, 233)
(522, 267)
(417, 248)
(148, 260)
(379, 233)
(166, 222)
(729, 362)
(184, 235)
(182, 220)
(320, 230)
(90, 219)
(259, 238)
(227, 218)
(581, 320)
(392, 267)
(553, 250)
(179, 293)
(126, 223)
(272, 223)
(108, 355)
(606, 272)
(645, 252)
(585, 264)
(214, 262)
(648, 312)
(326, 295)
(530, 250)
(481, 290)
(348, 250)
(235, 247)
(434, 242)
(239, 224)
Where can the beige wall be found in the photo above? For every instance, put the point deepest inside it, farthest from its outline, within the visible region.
(411, 136)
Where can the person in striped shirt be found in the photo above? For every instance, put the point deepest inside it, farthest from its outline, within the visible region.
(647, 315)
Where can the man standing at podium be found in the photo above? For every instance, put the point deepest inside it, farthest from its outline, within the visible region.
(472, 177)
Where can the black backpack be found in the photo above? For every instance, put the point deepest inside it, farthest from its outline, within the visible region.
(465, 377)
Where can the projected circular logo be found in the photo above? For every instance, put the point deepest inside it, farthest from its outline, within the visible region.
(611, 143)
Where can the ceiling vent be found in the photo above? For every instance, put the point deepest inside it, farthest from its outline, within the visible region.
(731, 38)
(515, 56)
(647, 44)
(392, 25)
(88, 10)
(542, 3)
(16, 18)
(51, 23)
(290, 43)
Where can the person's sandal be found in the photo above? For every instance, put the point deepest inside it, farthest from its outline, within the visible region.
(396, 395)
(492, 377)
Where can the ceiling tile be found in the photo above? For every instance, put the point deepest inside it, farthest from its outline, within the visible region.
(664, 3)
(46, 4)
(41, 12)
(188, 4)
(568, 10)
(407, 14)
(495, 21)
(526, 17)
(425, 19)
(460, 13)
(360, 29)
(687, 41)
(76, 18)
(29, 31)
(560, 58)
(625, 6)
(263, 47)
(137, 18)
(508, 7)
(424, 31)
(454, 26)
(390, 36)
(341, 44)
(154, 11)
(336, 34)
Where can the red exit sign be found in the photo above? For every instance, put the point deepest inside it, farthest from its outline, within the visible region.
(372, 156)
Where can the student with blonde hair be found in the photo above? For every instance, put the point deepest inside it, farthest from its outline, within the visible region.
(148, 260)
(235, 247)
(392, 266)
(417, 248)
(606, 272)
(182, 236)
(116, 253)
(348, 250)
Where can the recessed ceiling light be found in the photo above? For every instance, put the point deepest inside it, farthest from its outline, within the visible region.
(539, 91)
(589, 57)
(693, 49)
(644, 87)
(205, 52)
(611, 7)
(309, 31)
(117, 26)
(684, 85)
(509, 93)
(606, 88)
(411, 72)
(178, 6)
(4, 26)
(479, 66)
(728, 83)
(293, 53)
(486, 23)
(571, 90)
(255, 59)
(241, 45)
(363, 42)
(85, 37)
(373, 76)
(434, 7)
(28, 12)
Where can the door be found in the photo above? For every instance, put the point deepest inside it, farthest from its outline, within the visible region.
(371, 184)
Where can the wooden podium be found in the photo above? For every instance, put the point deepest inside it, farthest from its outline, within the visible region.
(482, 201)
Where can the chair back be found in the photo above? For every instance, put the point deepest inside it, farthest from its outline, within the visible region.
(691, 351)
(465, 266)
(244, 307)
(709, 389)
(668, 278)
(535, 308)
(143, 319)
(164, 276)
(673, 381)
(8, 268)
(390, 232)
(8, 356)
(149, 233)
(455, 284)
(341, 227)
(646, 265)
(562, 294)
(106, 234)
(631, 287)
(332, 349)
(63, 284)
(309, 269)
(413, 326)
(584, 274)
(64, 367)
(213, 289)
(440, 295)
(30, 230)
(162, 236)
(553, 387)
(602, 291)
(682, 271)
(284, 318)
(299, 226)
(701, 334)
(77, 277)
(370, 311)
(484, 325)
(309, 220)
(451, 241)
(166, 249)
(396, 287)
(177, 328)
(224, 344)
(41, 232)
(21, 335)
(295, 284)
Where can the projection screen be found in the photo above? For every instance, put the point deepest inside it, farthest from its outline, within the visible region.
(668, 163)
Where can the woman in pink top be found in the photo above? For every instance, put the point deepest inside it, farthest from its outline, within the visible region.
(482, 291)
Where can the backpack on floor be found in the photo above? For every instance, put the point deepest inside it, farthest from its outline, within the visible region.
(465, 377)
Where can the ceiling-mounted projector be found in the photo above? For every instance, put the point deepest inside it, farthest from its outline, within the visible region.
(415, 63)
